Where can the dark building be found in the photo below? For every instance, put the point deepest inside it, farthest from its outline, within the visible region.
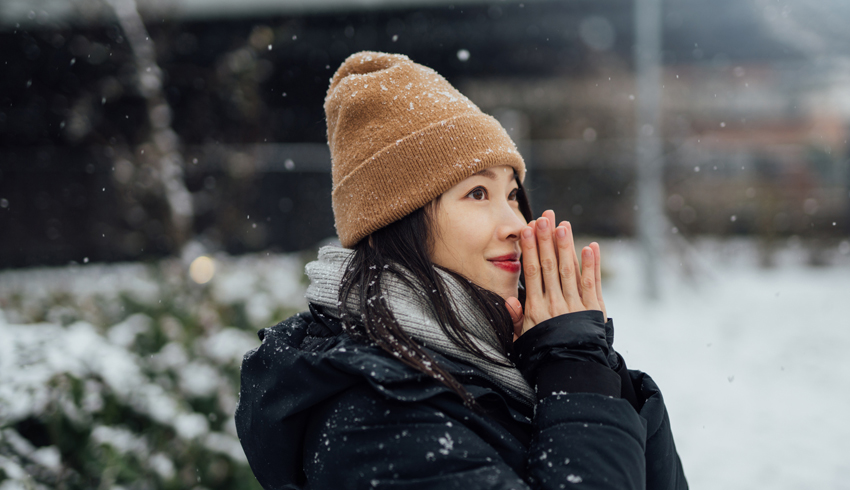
(238, 107)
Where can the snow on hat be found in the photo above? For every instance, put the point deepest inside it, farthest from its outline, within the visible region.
(400, 136)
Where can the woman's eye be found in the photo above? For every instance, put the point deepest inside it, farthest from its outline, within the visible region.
(479, 194)
(513, 195)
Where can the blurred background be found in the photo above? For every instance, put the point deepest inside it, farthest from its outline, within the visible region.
(164, 176)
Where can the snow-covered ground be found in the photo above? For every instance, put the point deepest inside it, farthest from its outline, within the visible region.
(753, 362)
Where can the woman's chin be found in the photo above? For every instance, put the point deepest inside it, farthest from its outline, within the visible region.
(507, 292)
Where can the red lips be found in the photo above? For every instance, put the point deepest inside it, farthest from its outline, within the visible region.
(509, 263)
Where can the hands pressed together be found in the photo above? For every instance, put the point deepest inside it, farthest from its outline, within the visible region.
(555, 283)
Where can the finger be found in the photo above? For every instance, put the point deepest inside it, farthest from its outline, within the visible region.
(588, 280)
(597, 259)
(515, 309)
(530, 269)
(550, 215)
(576, 267)
(549, 267)
(567, 270)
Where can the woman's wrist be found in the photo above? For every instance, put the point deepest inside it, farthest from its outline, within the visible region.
(568, 354)
(579, 335)
(558, 377)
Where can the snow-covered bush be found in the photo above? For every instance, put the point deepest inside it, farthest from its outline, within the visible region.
(127, 375)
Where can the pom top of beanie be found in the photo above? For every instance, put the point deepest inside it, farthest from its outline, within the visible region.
(400, 135)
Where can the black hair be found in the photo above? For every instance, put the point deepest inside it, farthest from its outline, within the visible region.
(406, 243)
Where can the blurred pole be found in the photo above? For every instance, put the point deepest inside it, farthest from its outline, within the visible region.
(649, 158)
(149, 82)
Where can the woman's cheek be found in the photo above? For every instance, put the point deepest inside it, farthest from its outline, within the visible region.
(474, 233)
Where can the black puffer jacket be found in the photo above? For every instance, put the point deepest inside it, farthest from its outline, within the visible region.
(320, 410)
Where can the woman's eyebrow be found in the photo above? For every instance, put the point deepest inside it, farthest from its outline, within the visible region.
(489, 174)
(486, 173)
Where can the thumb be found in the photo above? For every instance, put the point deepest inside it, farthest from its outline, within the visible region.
(515, 309)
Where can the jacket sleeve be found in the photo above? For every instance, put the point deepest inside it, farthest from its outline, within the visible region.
(587, 427)
(363, 440)
(568, 354)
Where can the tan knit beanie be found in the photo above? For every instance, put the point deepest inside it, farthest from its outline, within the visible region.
(400, 135)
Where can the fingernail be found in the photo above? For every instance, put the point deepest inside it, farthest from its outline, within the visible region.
(526, 233)
(561, 232)
(586, 253)
(543, 224)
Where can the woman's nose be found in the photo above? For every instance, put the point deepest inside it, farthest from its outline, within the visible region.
(511, 223)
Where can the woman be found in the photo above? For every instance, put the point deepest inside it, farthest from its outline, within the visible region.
(423, 362)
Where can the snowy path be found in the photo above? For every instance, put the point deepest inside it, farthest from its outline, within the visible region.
(753, 364)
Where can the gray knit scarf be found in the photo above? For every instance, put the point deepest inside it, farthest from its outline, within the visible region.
(417, 318)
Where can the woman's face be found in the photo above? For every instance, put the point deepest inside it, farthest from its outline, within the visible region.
(477, 225)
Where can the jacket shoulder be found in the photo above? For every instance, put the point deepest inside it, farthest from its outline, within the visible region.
(290, 328)
(306, 331)
(291, 372)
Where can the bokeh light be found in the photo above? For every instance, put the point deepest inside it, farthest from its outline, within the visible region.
(202, 269)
